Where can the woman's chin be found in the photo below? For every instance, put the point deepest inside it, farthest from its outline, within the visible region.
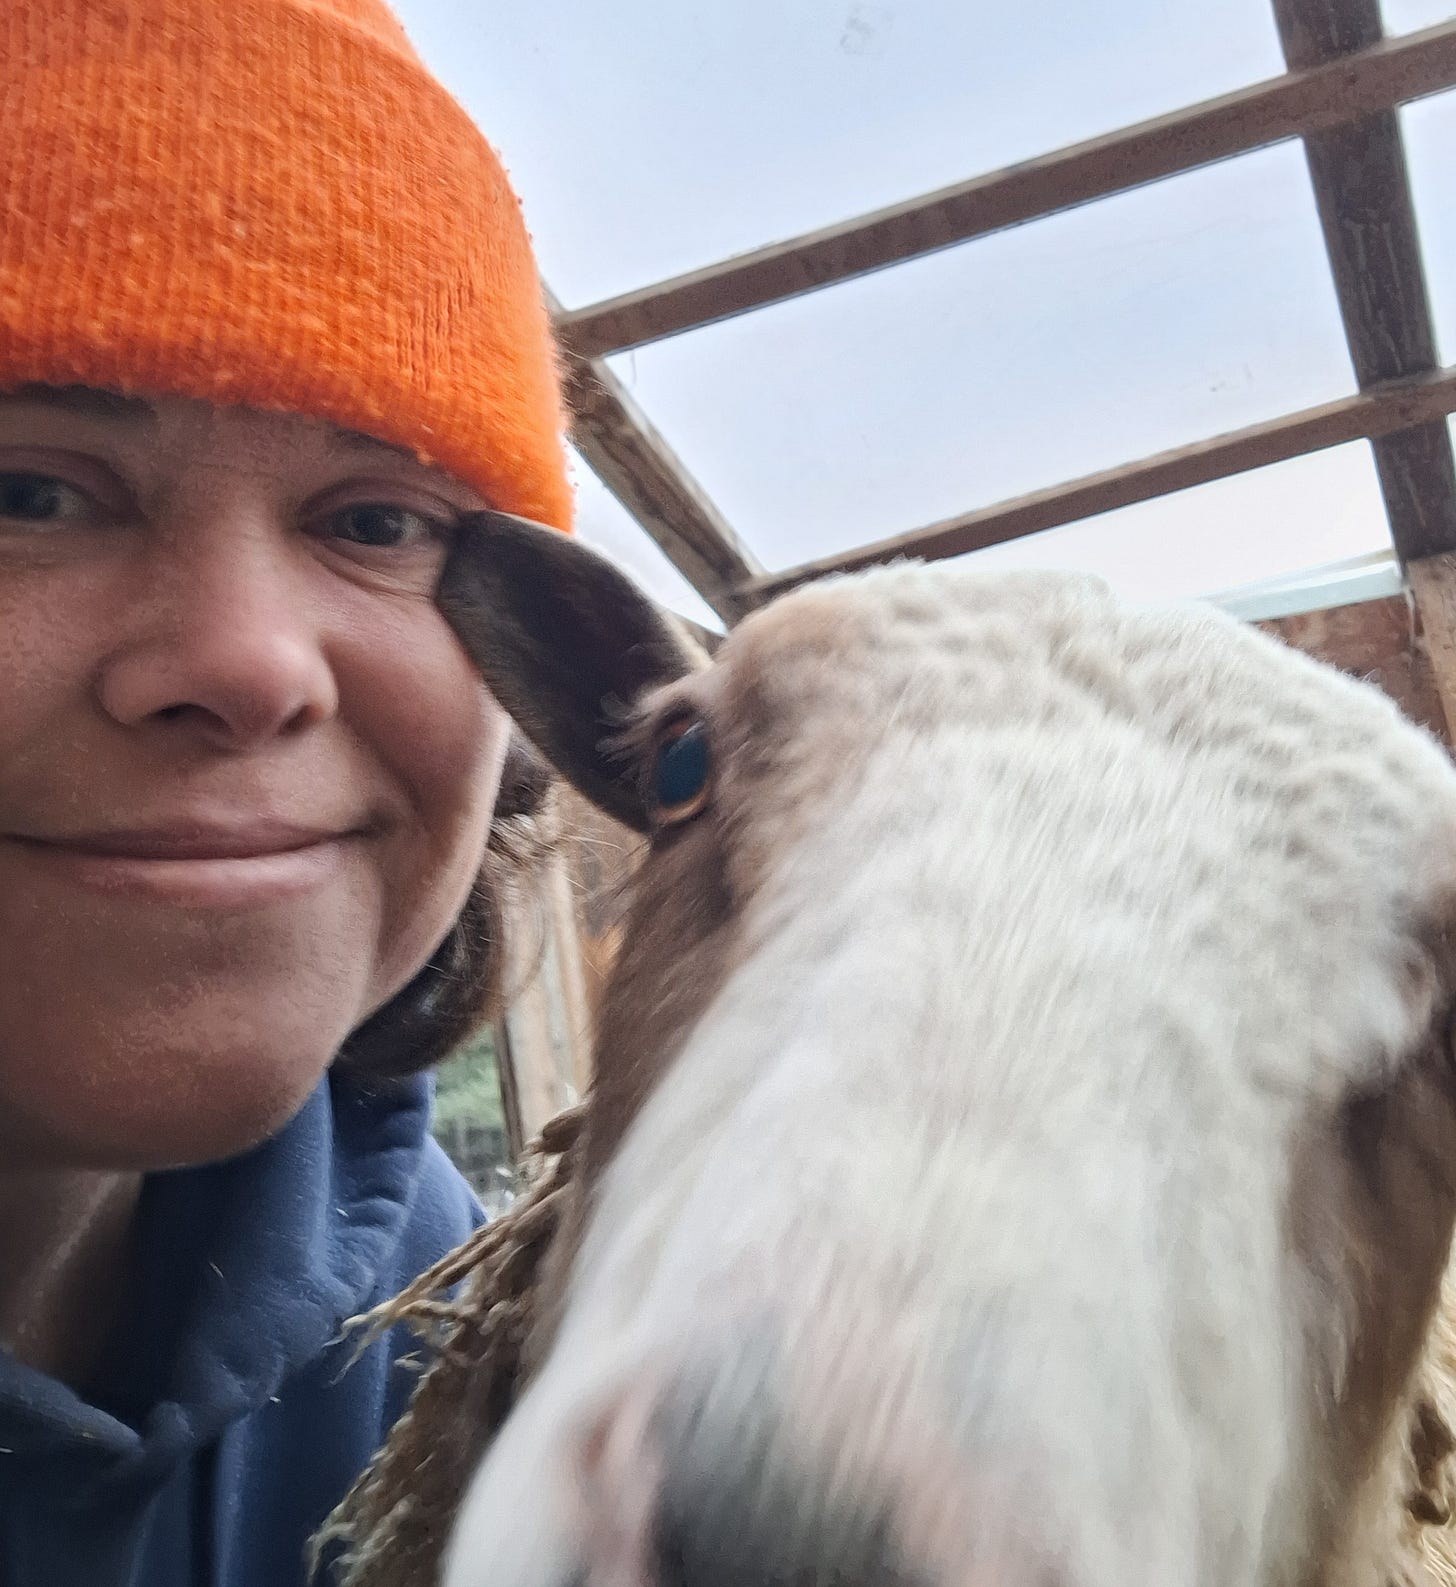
(221, 1132)
(175, 1115)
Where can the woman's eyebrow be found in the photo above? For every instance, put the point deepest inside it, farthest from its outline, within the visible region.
(88, 402)
(357, 441)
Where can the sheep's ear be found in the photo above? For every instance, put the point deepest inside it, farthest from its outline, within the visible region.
(566, 643)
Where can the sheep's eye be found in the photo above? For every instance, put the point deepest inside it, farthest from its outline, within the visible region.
(681, 770)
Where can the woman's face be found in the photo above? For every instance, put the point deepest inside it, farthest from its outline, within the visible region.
(246, 772)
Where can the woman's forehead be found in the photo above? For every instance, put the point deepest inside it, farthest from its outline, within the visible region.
(146, 417)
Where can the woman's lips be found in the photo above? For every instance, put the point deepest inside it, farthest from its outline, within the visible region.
(214, 866)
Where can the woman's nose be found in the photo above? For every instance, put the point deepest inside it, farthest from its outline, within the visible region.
(224, 640)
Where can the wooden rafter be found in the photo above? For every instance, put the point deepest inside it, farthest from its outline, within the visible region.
(1386, 410)
(1343, 79)
(1299, 103)
(633, 461)
(1362, 190)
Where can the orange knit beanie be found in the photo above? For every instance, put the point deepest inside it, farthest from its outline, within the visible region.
(271, 202)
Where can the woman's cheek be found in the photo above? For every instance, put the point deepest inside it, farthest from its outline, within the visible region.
(442, 739)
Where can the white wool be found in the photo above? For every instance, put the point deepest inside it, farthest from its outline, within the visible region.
(1061, 920)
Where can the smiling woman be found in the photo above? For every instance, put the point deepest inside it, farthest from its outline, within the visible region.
(253, 825)
(247, 765)
(286, 735)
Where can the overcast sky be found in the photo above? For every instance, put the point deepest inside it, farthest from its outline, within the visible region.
(648, 137)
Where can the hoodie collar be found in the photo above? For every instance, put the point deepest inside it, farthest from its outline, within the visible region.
(245, 1271)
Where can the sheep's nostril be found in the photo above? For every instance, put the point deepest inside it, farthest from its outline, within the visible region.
(737, 1504)
(723, 1538)
(726, 1479)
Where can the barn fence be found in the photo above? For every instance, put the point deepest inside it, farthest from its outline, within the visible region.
(482, 1153)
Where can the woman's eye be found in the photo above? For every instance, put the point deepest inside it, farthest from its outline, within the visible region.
(40, 499)
(380, 525)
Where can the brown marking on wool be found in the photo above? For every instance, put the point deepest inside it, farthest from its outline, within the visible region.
(1372, 1210)
(681, 915)
(1424, 1553)
(684, 916)
(689, 889)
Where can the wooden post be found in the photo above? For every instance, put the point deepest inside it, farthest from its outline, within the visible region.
(1362, 193)
(1433, 583)
(546, 1028)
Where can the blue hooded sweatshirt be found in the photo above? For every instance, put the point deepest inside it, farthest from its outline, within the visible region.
(225, 1421)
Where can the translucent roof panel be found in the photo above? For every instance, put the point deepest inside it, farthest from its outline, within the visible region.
(1008, 364)
(1406, 16)
(1267, 524)
(1429, 127)
(604, 523)
(648, 138)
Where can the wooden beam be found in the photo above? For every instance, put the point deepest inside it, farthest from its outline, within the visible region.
(1362, 190)
(1301, 102)
(1400, 405)
(1433, 584)
(639, 468)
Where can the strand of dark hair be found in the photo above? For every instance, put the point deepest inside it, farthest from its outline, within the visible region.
(462, 984)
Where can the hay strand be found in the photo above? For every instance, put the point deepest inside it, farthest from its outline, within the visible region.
(391, 1528)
